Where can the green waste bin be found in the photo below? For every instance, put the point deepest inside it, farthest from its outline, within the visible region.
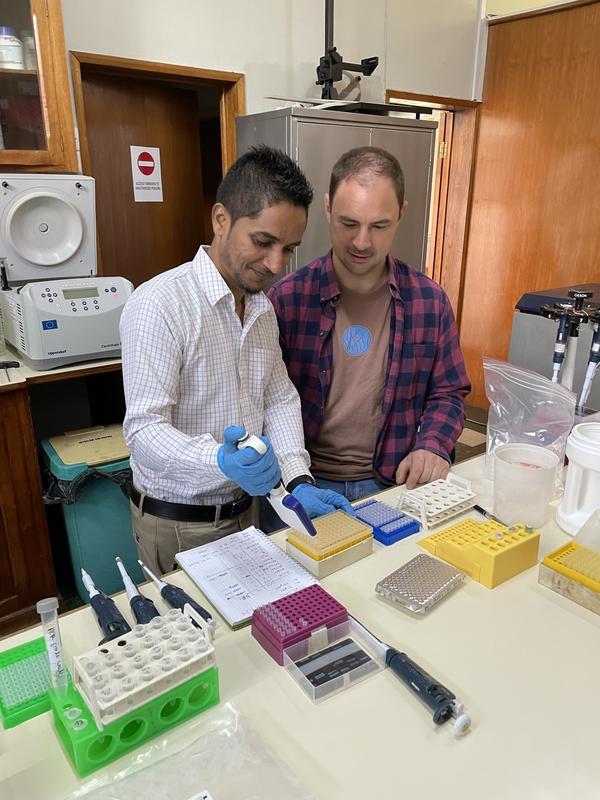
(98, 524)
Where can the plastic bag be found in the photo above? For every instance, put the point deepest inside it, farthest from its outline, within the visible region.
(526, 408)
(227, 758)
(67, 492)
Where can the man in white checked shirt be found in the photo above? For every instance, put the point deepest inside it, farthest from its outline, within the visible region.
(201, 354)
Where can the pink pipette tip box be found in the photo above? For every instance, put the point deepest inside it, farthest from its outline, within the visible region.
(290, 619)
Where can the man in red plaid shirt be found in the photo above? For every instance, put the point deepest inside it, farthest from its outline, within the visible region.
(370, 343)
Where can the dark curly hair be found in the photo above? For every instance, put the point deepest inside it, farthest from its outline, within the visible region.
(261, 178)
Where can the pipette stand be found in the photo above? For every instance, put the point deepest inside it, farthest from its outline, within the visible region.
(134, 688)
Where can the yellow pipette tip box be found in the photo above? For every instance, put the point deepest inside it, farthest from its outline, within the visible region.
(489, 552)
(335, 532)
(340, 540)
(578, 564)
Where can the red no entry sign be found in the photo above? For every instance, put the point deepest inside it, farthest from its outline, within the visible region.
(145, 163)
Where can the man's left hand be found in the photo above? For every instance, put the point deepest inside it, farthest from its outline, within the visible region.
(421, 466)
(321, 501)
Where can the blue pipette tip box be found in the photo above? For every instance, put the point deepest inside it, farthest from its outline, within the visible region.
(24, 682)
(389, 525)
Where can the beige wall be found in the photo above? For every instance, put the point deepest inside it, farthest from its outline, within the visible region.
(426, 47)
(514, 6)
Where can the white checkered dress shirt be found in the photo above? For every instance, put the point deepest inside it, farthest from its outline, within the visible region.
(190, 369)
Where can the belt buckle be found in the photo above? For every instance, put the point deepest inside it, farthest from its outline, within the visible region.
(235, 506)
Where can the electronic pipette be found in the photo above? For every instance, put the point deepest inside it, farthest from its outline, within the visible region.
(286, 506)
(439, 699)
(177, 597)
(143, 608)
(110, 619)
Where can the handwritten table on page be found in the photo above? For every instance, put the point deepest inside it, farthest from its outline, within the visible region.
(243, 571)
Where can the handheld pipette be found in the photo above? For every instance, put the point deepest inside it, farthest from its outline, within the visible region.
(570, 315)
(439, 699)
(177, 597)
(58, 672)
(110, 619)
(560, 346)
(592, 366)
(286, 506)
(143, 608)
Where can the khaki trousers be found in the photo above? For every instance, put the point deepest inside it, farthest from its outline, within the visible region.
(158, 540)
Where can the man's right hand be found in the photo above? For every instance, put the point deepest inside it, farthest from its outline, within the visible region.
(256, 474)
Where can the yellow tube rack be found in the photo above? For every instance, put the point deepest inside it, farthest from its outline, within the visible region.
(489, 552)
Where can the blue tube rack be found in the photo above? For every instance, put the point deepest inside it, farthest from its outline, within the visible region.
(389, 525)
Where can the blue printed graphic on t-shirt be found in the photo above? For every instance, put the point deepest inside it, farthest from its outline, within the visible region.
(357, 340)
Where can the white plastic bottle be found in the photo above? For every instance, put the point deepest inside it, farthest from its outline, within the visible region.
(11, 49)
(29, 52)
(582, 487)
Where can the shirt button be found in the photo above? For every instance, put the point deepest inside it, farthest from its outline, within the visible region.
(322, 333)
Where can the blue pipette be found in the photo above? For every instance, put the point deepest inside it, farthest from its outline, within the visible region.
(143, 608)
(441, 701)
(176, 597)
(110, 619)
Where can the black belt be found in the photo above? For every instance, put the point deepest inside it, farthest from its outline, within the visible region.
(180, 512)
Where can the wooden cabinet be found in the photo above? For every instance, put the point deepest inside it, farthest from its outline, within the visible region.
(36, 118)
(26, 571)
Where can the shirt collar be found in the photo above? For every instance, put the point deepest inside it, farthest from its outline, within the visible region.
(330, 289)
(214, 286)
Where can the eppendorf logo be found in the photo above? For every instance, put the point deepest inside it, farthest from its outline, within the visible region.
(110, 345)
(56, 352)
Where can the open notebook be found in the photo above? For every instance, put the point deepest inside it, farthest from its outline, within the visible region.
(241, 572)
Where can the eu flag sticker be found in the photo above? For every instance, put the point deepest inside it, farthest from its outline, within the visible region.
(49, 324)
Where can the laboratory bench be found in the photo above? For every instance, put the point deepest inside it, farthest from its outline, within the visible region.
(521, 658)
(34, 404)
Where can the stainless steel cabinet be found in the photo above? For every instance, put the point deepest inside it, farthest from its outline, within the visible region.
(315, 139)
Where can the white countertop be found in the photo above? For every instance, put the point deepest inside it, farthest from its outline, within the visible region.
(24, 374)
(522, 659)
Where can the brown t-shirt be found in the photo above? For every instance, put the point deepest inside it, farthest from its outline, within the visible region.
(344, 448)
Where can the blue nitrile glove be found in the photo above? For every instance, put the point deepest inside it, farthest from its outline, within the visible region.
(317, 502)
(256, 474)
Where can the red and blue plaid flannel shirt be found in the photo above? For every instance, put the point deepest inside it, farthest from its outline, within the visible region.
(423, 402)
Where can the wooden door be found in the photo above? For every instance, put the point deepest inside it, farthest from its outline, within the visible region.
(26, 571)
(139, 240)
(536, 192)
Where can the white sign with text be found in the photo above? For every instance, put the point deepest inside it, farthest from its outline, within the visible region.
(145, 170)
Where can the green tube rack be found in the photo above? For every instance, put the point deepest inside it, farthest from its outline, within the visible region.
(90, 749)
(24, 682)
